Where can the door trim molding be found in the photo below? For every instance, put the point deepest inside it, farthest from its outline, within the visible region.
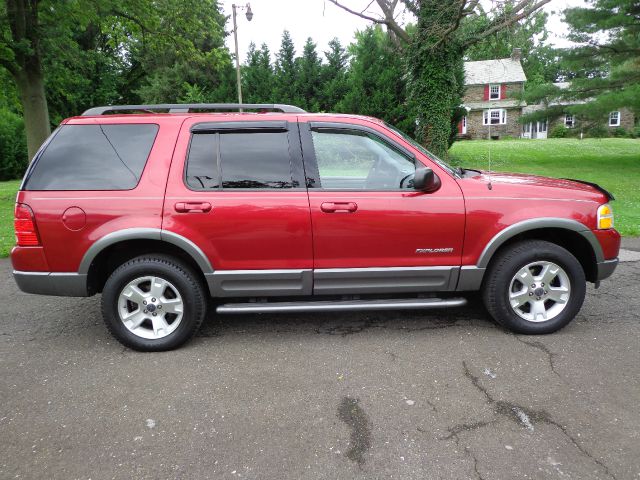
(332, 281)
(260, 283)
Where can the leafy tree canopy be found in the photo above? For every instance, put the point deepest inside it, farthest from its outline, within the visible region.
(603, 70)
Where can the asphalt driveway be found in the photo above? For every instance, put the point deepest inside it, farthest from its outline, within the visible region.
(410, 395)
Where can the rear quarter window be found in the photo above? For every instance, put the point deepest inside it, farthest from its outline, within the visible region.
(93, 157)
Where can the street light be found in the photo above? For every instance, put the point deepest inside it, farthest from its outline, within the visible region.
(249, 15)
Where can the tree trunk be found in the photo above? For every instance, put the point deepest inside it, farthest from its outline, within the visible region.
(435, 76)
(36, 113)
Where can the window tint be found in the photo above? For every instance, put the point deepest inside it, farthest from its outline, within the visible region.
(239, 160)
(357, 160)
(93, 157)
(202, 166)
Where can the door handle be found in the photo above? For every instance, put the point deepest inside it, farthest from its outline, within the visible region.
(192, 207)
(334, 207)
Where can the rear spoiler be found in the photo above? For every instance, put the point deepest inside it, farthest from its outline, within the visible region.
(594, 185)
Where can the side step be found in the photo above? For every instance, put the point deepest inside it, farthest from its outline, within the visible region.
(341, 305)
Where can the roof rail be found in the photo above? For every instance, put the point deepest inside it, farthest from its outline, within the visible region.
(187, 107)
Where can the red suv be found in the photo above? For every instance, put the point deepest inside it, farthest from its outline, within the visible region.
(267, 208)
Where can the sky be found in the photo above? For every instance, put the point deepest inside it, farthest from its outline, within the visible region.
(322, 21)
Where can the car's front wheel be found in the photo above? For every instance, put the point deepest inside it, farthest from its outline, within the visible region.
(534, 287)
(153, 303)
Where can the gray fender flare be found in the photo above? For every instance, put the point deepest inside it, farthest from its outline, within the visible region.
(535, 224)
(471, 275)
(145, 234)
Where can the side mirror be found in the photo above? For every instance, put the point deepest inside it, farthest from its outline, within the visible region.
(425, 180)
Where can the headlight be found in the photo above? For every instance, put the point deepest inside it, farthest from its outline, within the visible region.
(605, 217)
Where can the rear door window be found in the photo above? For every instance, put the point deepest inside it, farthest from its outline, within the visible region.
(239, 160)
(93, 157)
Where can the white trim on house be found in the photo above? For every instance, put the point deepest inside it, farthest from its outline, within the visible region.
(494, 91)
(494, 116)
(614, 119)
(535, 129)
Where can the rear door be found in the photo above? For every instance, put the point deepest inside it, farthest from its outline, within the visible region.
(374, 233)
(236, 189)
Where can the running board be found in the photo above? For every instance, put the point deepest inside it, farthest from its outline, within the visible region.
(341, 306)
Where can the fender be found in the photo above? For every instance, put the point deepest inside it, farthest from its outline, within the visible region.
(471, 276)
(535, 224)
(145, 234)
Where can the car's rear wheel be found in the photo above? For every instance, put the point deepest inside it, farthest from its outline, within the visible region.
(153, 303)
(534, 287)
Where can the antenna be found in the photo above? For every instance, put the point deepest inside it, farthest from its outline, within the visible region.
(489, 185)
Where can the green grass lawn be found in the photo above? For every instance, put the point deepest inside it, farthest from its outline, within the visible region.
(613, 163)
(7, 201)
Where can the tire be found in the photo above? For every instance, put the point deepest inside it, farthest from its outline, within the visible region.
(523, 302)
(171, 290)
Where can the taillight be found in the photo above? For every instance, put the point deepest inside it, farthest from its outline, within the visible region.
(25, 226)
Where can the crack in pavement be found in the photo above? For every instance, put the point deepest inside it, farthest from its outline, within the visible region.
(527, 417)
(464, 427)
(543, 348)
(475, 463)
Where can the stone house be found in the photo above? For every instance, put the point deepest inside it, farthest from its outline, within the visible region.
(493, 109)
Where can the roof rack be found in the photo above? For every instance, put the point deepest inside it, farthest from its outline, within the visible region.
(187, 107)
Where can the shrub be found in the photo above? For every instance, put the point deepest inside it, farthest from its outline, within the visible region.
(13, 145)
(559, 131)
(620, 132)
(598, 131)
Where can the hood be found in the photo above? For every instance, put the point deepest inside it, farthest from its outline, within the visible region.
(520, 184)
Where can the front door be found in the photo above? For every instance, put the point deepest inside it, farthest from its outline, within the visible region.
(373, 232)
(236, 190)
(542, 129)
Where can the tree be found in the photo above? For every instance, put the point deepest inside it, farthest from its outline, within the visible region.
(375, 84)
(605, 66)
(333, 76)
(528, 34)
(308, 79)
(71, 55)
(286, 70)
(257, 75)
(21, 55)
(434, 52)
(181, 44)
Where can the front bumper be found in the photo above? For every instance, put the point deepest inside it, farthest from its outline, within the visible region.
(48, 283)
(606, 268)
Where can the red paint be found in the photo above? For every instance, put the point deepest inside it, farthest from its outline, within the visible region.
(74, 218)
(503, 91)
(293, 229)
(486, 92)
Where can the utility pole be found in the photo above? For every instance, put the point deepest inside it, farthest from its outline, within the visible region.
(249, 15)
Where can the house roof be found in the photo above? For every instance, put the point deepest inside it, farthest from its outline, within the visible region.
(502, 70)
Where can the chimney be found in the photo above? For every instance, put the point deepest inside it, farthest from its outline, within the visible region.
(516, 54)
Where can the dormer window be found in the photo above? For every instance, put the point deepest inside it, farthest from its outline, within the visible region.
(494, 92)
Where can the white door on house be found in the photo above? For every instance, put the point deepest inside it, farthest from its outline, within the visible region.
(526, 130)
(542, 129)
(464, 125)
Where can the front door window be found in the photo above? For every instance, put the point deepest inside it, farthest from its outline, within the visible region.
(355, 160)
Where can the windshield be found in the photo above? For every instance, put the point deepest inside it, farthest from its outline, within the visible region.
(426, 152)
